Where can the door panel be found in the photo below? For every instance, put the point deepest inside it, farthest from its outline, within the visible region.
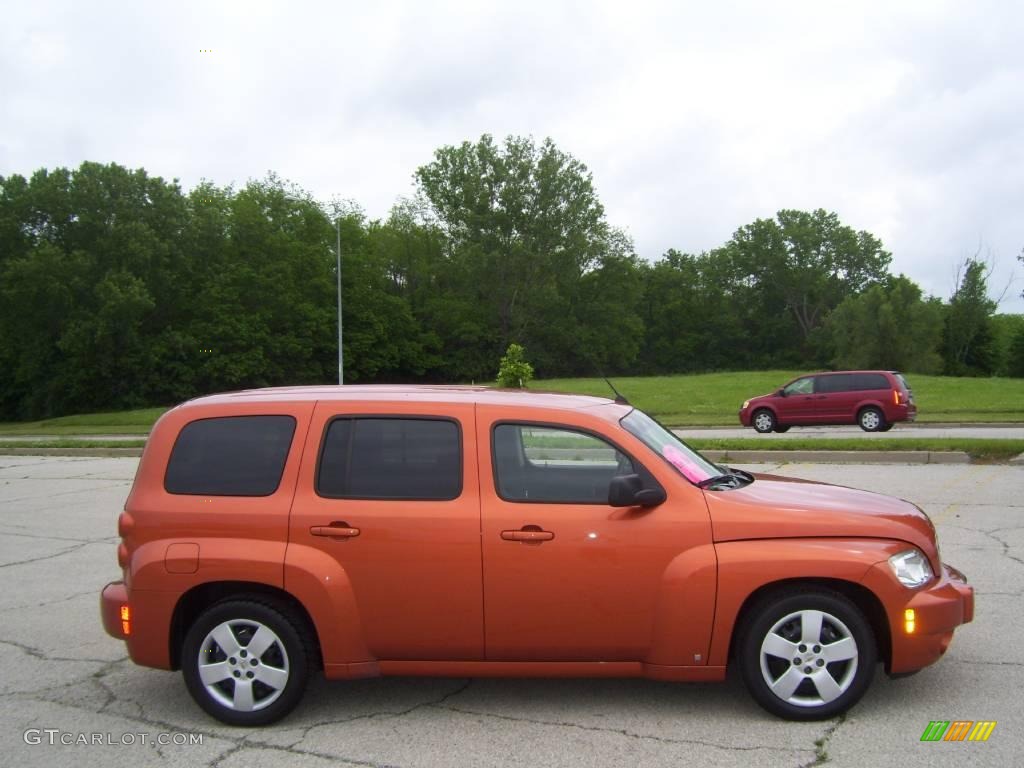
(414, 563)
(565, 580)
(839, 398)
(798, 406)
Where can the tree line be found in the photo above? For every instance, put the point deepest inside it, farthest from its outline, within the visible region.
(118, 289)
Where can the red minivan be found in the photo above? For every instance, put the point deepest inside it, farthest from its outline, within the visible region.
(875, 400)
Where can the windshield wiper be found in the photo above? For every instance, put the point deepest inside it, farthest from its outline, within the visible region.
(709, 481)
(737, 478)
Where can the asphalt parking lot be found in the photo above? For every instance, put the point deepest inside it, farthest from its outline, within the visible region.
(63, 678)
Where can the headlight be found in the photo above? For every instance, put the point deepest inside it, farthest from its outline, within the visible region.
(746, 403)
(911, 568)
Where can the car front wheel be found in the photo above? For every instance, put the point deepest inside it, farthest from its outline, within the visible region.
(807, 655)
(245, 662)
(764, 421)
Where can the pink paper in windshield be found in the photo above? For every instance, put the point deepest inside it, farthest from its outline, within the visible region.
(690, 469)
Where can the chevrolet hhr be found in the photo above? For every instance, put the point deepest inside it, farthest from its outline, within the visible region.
(458, 531)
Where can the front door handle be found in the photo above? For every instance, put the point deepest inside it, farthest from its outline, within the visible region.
(528, 534)
(335, 531)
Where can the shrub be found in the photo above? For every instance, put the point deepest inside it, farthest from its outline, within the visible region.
(514, 371)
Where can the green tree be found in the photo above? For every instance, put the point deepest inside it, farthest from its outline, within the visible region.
(888, 326)
(522, 227)
(967, 344)
(692, 320)
(1015, 362)
(807, 263)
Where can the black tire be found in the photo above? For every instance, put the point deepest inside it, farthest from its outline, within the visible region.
(276, 677)
(886, 428)
(780, 430)
(871, 419)
(787, 689)
(763, 420)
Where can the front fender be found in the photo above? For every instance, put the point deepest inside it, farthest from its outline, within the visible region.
(746, 566)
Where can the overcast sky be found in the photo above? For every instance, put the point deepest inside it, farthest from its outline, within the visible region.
(907, 119)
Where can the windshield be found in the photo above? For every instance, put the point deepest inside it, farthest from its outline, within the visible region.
(678, 454)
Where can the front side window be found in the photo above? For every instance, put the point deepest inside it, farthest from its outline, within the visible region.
(804, 386)
(230, 456)
(384, 458)
(535, 463)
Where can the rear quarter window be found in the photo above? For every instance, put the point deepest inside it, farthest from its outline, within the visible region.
(871, 381)
(230, 456)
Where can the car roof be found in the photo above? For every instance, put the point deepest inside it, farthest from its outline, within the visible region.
(829, 373)
(407, 393)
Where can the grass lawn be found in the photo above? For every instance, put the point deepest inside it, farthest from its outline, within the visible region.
(976, 448)
(117, 423)
(83, 443)
(703, 399)
(715, 398)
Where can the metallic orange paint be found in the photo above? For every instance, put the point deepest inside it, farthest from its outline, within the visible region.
(440, 588)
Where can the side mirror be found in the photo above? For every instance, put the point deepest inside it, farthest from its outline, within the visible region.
(628, 491)
(781, 393)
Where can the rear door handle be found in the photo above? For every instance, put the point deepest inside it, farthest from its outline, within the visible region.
(343, 531)
(528, 536)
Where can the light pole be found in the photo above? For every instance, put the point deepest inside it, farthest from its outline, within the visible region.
(337, 232)
(341, 352)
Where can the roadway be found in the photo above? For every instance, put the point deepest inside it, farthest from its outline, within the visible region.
(60, 671)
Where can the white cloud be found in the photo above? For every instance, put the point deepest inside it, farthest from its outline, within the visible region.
(905, 119)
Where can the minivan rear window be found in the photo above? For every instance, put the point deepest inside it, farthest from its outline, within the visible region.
(870, 381)
(230, 456)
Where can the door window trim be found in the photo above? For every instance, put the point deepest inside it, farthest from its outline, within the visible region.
(645, 474)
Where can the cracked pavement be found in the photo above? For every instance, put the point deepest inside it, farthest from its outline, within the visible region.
(61, 671)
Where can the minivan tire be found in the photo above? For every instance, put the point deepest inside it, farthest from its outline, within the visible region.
(235, 685)
(764, 421)
(830, 637)
(871, 419)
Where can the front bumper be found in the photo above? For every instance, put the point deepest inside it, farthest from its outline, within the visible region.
(938, 610)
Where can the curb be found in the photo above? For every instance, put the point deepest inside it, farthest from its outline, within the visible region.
(1019, 460)
(70, 451)
(842, 457)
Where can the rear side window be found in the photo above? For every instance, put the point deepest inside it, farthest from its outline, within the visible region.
(870, 381)
(838, 382)
(230, 456)
(382, 458)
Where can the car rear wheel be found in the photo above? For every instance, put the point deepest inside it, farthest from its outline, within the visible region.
(780, 430)
(246, 662)
(807, 655)
(763, 421)
(871, 420)
(886, 428)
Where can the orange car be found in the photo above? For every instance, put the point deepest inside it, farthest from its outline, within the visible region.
(465, 531)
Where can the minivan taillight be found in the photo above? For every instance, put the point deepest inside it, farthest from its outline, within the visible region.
(898, 397)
